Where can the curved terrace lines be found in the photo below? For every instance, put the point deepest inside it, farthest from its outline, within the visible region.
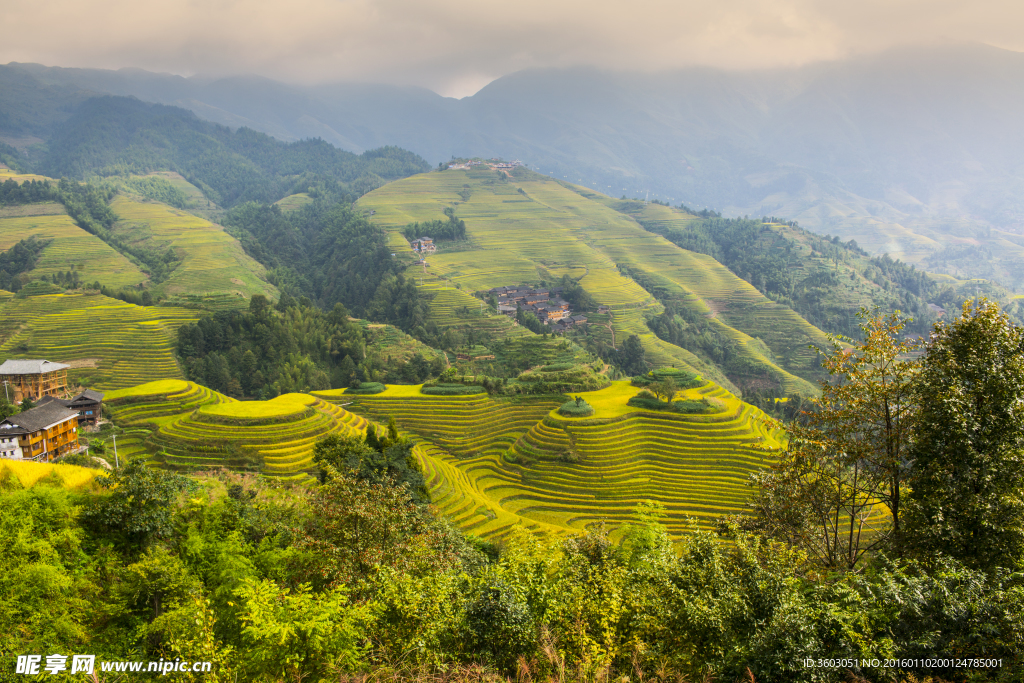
(528, 465)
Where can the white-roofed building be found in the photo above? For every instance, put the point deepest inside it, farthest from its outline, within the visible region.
(33, 379)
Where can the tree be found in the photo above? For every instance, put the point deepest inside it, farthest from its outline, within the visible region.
(848, 455)
(631, 357)
(6, 408)
(27, 404)
(666, 388)
(380, 460)
(139, 506)
(357, 528)
(968, 457)
(292, 634)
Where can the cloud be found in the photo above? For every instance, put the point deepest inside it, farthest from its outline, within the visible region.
(457, 46)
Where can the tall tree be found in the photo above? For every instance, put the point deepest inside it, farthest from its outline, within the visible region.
(968, 456)
(849, 454)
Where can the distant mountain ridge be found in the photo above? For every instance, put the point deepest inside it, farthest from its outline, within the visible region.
(913, 152)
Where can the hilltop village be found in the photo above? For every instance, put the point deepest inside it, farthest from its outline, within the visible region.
(51, 416)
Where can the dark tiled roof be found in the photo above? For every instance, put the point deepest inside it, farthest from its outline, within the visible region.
(89, 395)
(42, 417)
(52, 399)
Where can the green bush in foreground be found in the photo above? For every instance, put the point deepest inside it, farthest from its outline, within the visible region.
(576, 408)
(350, 577)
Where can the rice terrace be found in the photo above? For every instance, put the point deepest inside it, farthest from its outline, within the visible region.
(569, 375)
(493, 458)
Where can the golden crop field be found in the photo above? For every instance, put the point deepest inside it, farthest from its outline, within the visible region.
(109, 343)
(29, 473)
(214, 271)
(71, 248)
(496, 463)
(191, 427)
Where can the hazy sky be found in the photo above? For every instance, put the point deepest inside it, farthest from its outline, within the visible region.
(456, 46)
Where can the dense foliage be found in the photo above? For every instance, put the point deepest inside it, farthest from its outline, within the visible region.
(379, 459)
(353, 575)
(777, 266)
(968, 450)
(264, 352)
(440, 231)
(117, 135)
(293, 346)
(19, 259)
(332, 255)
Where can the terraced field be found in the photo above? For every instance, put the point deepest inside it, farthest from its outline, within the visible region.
(215, 272)
(736, 308)
(191, 427)
(108, 343)
(10, 174)
(294, 202)
(71, 248)
(493, 464)
(551, 228)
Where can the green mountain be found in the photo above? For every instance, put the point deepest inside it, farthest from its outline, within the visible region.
(870, 148)
(116, 135)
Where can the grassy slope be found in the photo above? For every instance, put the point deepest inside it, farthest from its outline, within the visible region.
(388, 342)
(10, 174)
(111, 344)
(214, 266)
(734, 303)
(71, 247)
(294, 202)
(552, 230)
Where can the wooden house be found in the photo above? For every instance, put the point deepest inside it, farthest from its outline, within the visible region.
(43, 433)
(88, 405)
(33, 379)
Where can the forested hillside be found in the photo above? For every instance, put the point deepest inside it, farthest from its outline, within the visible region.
(825, 280)
(116, 135)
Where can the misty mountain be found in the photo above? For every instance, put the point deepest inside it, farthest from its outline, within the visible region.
(914, 151)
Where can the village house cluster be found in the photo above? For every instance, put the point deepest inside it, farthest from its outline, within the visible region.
(547, 304)
(50, 429)
(423, 245)
(495, 164)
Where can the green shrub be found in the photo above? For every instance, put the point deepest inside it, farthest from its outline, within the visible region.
(367, 388)
(688, 407)
(576, 408)
(684, 379)
(701, 406)
(452, 390)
